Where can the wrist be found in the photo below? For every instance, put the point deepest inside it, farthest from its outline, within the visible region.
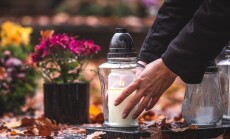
(169, 71)
(141, 64)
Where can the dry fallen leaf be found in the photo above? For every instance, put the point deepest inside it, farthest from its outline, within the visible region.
(30, 132)
(4, 129)
(27, 121)
(179, 129)
(16, 132)
(95, 135)
(31, 127)
(14, 123)
(192, 127)
(97, 119)
(154, 131)
(44, 131)
(13, 133)
(147, 116)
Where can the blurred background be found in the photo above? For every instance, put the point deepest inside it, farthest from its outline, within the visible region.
(96, 20)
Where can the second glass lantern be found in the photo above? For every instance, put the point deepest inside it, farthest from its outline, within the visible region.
(115, 75)
(224, 66)
(202, 104)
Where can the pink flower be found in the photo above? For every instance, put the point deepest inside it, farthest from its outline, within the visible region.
(63, 42)
(75, 47)
(90, 47)
(13, 62)
(63, 51)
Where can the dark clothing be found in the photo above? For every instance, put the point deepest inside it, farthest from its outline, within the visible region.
(188, 35)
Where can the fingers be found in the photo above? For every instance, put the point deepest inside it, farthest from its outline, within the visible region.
(126, 92)
(151, 103)
(133, 102)
(141, 107)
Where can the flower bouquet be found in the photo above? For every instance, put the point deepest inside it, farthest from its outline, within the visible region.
(61, 58)
(16, 79)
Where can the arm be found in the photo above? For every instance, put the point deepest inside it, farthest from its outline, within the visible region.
(187, 56)
(171, 18)
(200, 41)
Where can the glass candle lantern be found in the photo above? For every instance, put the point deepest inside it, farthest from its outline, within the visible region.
(224, 66)
(115, 75)
(202, 104)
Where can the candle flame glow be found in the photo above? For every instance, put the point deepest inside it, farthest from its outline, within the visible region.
(121, 83)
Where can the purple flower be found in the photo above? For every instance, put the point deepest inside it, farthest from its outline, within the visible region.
(148, 3)
(13, 62)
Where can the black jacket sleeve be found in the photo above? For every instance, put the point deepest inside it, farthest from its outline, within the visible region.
(171, 18)
(200, 41)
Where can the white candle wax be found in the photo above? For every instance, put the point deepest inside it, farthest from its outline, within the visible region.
(115, 112)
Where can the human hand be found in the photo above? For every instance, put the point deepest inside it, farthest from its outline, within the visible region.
(140, 67)
(149, 86)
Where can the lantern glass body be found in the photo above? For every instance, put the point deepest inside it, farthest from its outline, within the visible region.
(202, 104)
(224, 67)
(114, 77)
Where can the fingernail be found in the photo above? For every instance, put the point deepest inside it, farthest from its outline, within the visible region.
(124, 115)
(115, 103)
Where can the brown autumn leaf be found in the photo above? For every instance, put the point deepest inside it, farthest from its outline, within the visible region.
(4, 129)
(46, 126)
(192, 127)
(51, 124)
(178, 118)
(31, 131)
(97, 119)
(13, 133)
(44, 131)
(27, 121)
(179, 129)
(161, 124)
(147, 116)
(154, 131)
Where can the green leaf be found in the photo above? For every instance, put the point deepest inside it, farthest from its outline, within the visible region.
(73, 65)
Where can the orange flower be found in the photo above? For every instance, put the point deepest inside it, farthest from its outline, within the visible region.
(47, 33)
(2, 73)
(14, 34)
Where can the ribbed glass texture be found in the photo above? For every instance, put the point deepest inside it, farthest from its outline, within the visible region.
(224, 66)
(202, 104)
